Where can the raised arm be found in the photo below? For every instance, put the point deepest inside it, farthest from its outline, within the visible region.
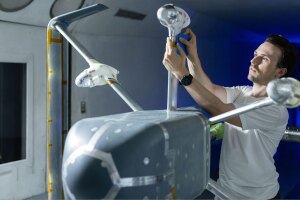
(205, 94)
(195, 67)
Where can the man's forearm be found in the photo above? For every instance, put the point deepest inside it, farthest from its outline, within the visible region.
(210, 102)
(198, 73)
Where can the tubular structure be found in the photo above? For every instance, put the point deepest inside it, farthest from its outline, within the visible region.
(56, 97)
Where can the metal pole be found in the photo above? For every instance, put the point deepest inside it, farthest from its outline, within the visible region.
(75, 15)
(124, 95)
(73, 41)
(172, 92)
(91, 60)
(291, 135)
(56, 97)
(217, 190)
(241, 110)
(54, 113)
(172, 82)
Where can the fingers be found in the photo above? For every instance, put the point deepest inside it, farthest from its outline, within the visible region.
(189, 32)
(191, 39)
(167, 62)
(170, 42)
(184, 41)
(169, 45)
(182, 54)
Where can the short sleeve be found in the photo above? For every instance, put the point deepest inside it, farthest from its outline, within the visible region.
(234, 92)
(273, 117)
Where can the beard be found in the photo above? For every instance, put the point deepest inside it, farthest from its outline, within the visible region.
(251, 76)
(254, 76)
(258, 79)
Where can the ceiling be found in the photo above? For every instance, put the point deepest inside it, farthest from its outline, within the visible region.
(261, 16)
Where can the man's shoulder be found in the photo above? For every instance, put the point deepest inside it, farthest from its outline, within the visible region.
(241, 89)
(235, 92)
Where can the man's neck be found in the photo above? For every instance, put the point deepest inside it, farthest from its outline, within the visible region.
(259, 90)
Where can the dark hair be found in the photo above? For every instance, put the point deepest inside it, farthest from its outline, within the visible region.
(289, 56)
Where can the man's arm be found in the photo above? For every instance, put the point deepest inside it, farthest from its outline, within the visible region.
(201, 94)
(195, 67)
(210, 102)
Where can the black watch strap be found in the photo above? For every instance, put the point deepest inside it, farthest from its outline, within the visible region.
(186, 80)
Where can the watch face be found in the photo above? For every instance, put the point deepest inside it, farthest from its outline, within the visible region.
(186, 80)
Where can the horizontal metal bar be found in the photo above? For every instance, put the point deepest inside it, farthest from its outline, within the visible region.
(292, 135)
(77, 14)
(61, 23)
(241, 110)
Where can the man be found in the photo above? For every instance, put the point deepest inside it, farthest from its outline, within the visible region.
(250, 140)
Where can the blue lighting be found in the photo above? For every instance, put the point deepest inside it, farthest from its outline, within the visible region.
(298, 117)
(295, 40)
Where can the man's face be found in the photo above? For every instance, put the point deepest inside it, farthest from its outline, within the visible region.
(263, 66)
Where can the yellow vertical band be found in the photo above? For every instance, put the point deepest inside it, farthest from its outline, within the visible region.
(51, 40)
(173, 192)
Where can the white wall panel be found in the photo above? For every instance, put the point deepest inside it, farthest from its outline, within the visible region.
(26, 178)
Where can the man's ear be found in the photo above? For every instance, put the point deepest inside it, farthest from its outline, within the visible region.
(281, 72)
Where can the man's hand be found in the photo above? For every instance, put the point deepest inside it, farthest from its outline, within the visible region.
(173, 62)
(191, 46)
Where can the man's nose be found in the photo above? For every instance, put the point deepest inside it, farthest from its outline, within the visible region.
(256, 60)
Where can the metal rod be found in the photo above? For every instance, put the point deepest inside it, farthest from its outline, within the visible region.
(292, 135)
(172, 92)
(61, 22)
(123, 94)
(217, 190)
(90, 60)
(55, 113)
(79, 14)
(73, 41)
(238, 111)
(55, 92)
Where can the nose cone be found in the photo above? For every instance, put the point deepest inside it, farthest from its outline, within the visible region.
(83, 79)
(95, 75)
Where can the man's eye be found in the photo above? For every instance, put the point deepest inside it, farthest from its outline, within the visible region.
(265, 59)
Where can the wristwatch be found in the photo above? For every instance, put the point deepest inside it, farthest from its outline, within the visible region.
(186, 80)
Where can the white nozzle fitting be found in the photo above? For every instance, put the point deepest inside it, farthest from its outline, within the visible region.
(95, 75)
(285, 91)
(174, 18)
